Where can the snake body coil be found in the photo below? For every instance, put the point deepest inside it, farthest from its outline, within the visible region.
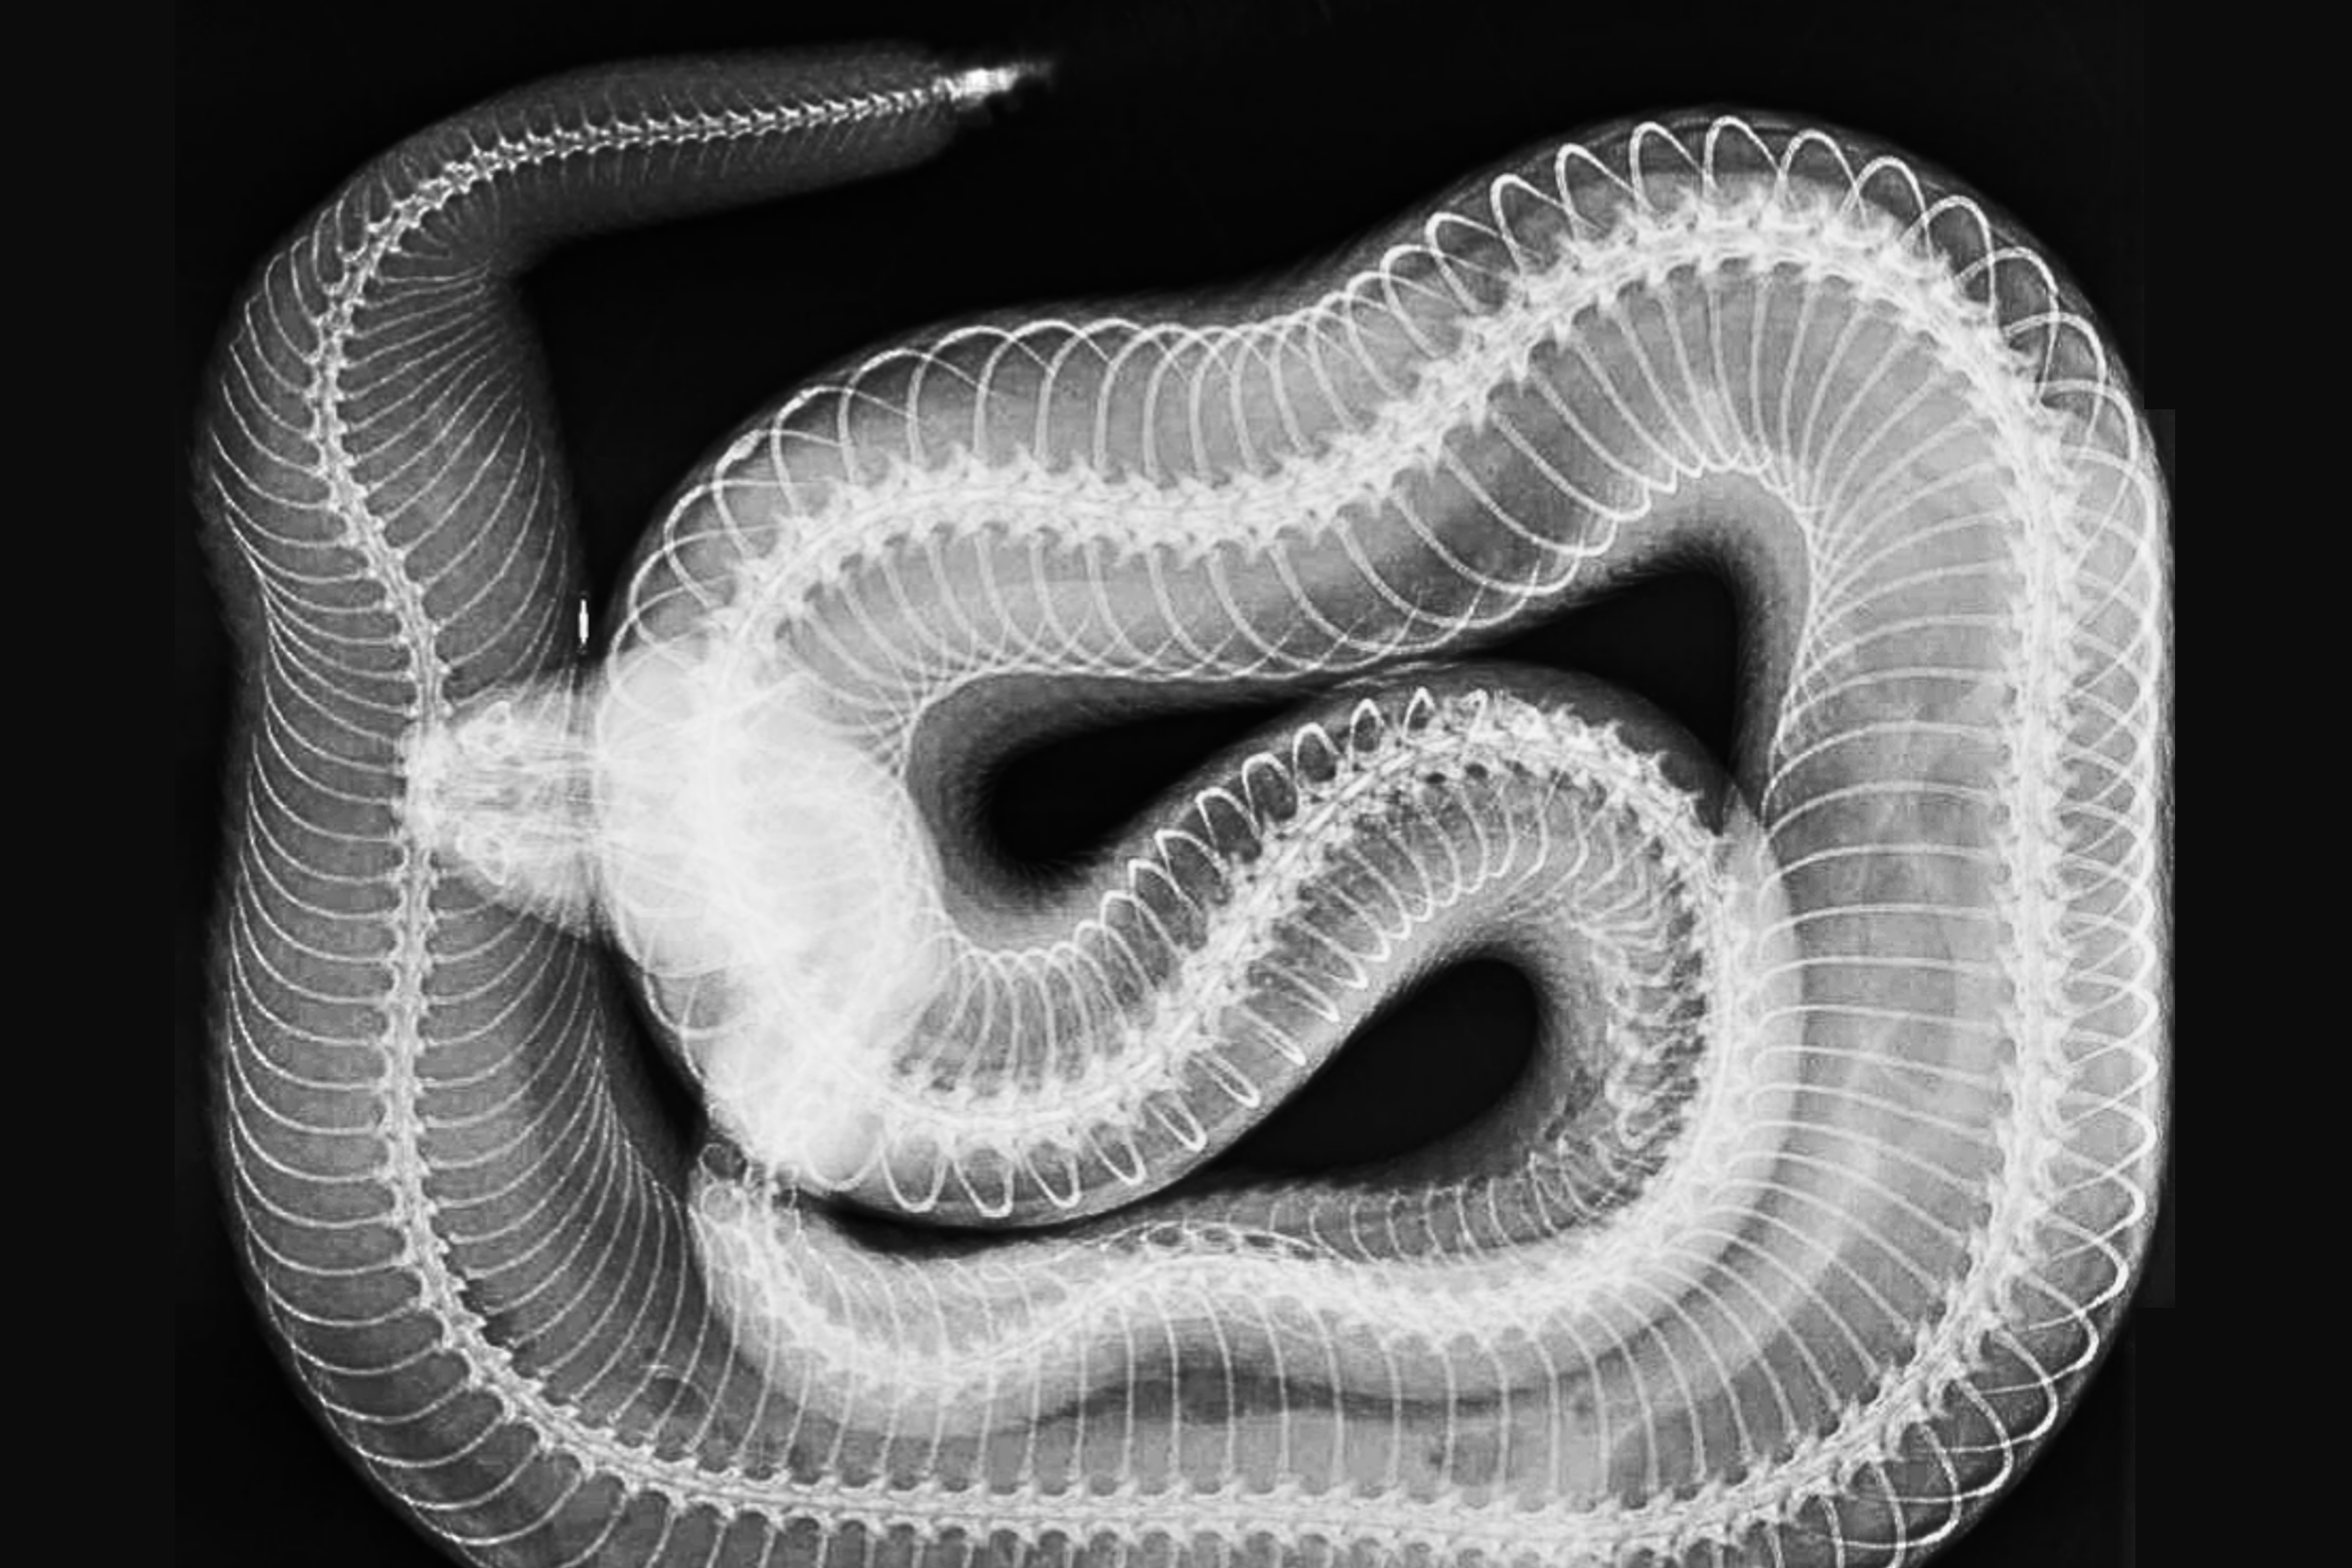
(1839, 1149)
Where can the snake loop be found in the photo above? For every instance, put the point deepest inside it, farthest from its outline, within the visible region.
(1830, 1179)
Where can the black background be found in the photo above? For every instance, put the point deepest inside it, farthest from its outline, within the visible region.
(1183, 146)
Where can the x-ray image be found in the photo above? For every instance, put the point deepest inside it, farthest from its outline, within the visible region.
(1294, 785)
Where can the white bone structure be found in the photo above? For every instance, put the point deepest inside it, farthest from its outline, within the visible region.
(1839, 1149)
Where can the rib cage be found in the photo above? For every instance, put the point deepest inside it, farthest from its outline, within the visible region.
(484, 1262)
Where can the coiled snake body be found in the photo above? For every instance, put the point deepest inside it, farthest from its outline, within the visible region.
(1839, 1147)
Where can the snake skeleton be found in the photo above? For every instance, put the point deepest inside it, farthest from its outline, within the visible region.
(1830, 1177)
